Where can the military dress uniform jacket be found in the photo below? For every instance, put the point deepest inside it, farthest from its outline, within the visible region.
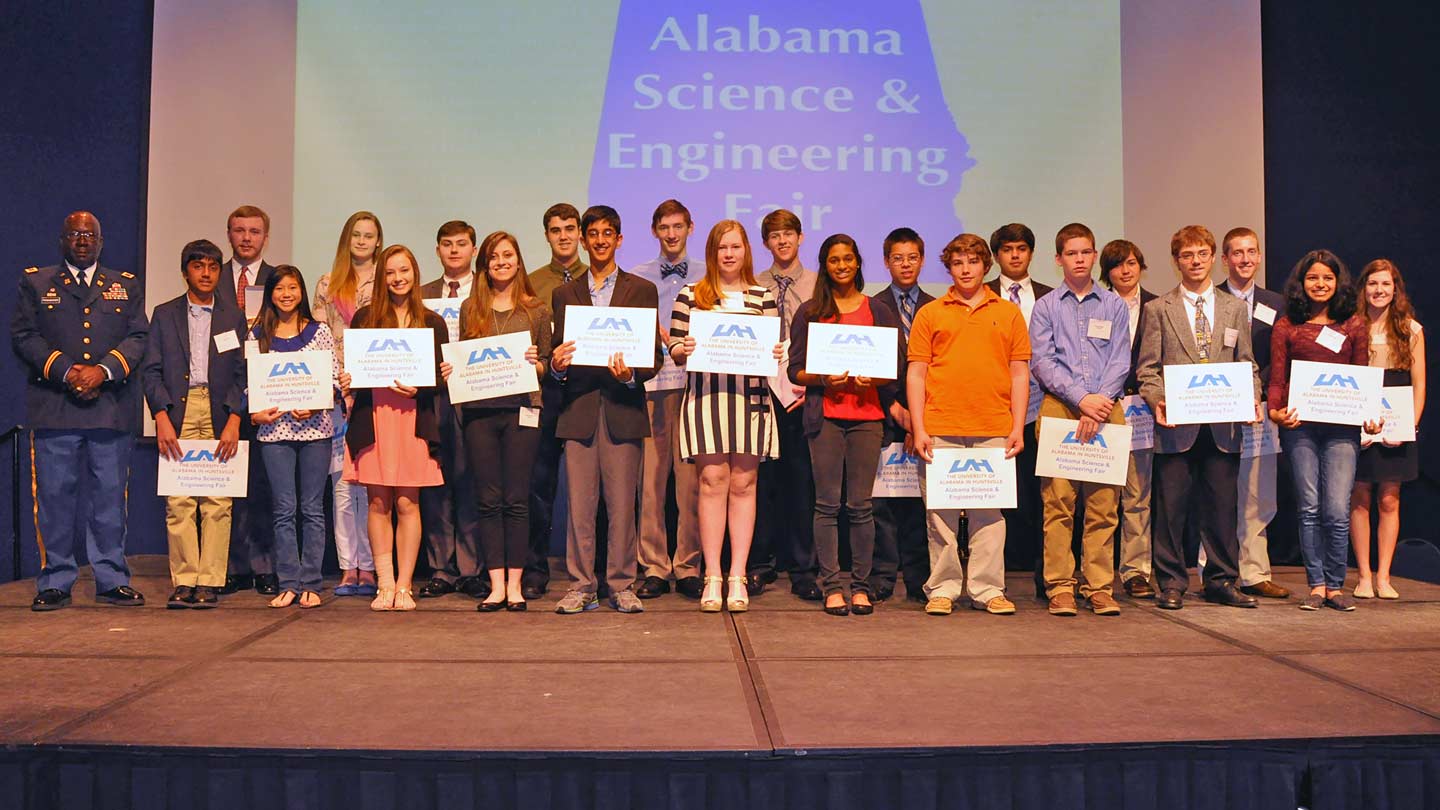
(58, 324)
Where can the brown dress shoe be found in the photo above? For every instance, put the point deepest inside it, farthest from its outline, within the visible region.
(1103, 604)
(1063, 604)
(1139, 587)
(1267, 589)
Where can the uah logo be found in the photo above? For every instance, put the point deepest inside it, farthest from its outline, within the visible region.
(283, 369)
(622, 324)
(734, 330)
(1137, 410)
(485, 355)
(852, 339)
(388, 345)
(1336, 381)
(1385, 403)
(971, 465)
(450, 314)
(197, 455)
(1206, 380)
(901, 458)
(1096, 439)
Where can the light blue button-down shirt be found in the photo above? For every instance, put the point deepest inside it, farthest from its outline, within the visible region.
(199, 323)
(599, 297)
(1065, 360)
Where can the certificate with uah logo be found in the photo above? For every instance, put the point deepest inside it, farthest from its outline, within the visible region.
(600, 332)
(898, 473)
(291, 381)
(485, 368)
(970, 478)
(863, 351)
(1336, 393)
(1205, 393)
(200, 473)
(1104, 459)
(449, 309)
(378, 358)
(731, 343)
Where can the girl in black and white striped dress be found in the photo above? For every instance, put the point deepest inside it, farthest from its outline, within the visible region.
(727, 423)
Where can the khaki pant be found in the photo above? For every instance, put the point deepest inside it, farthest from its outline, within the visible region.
(1058, 497)
(948, 577)
(1257, 508)
(198, 556)
(662, 455)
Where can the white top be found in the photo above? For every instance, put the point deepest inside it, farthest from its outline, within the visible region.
(1207, 302)
(1027, 294)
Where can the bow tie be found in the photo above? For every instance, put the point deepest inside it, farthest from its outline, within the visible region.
(677, 269)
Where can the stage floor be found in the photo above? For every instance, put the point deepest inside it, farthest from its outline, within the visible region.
(780, 679)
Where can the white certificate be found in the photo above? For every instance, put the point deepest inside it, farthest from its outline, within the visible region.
(1335, 393)
(785, 391)
(1105, 459)
(897, 475)
(485, 368)
(1141, 421)
(970, 478)
(731, 343)
(377, 358)
(199, 473)
(254, 299)
(1206, 393)
(600, 332)
(449, 309)
(291, 381)
(1397, 405)
(1260, 439)
(863, 351)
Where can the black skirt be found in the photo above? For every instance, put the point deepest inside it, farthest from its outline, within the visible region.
(1379, 463)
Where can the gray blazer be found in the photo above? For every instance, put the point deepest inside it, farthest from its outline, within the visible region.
(1167, 339)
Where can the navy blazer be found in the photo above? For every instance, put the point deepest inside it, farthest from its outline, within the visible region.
(227, 282)
(1132, 384)
(886, 298)
(165, 372)
(814, 413)
(1259, 330)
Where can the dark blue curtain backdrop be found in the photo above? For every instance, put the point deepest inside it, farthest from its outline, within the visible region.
(1350, 143)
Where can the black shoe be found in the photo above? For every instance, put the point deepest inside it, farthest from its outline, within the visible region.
(435, 587)
(533, 590)
(917, 596)
(808, 591)
(652, 587)
(205, 597)
(181, 598)
(474, 587)
(123, 596)
(690, 587)
(268, 584)
(754, 585)
(492, 607)
(1230, 597)
(842, 609)
(50, 599)
(1170, 599)
(516, 607)
(861, 608)
(883, 594)
(238, 582)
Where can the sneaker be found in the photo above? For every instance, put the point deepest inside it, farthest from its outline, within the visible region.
(1340, 601)
(1063, 604)
(1312, 601)
(999, 606)
(576, 602)
(1103, 604)
(626, 602)
(939, 606)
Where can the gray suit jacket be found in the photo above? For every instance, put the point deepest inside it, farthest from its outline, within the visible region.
(1167, 339)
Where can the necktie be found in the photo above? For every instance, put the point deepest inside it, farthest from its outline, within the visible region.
(1202, 330)
(783, 282)
(907, 312)
(80, 279)
(454, 289)
(1015, 293)
(677, 269)
(240, 285)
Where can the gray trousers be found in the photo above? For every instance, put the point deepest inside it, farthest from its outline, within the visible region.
(662, 456)
(602, 466)
(1135, 517)
(1256, 497)
(845, 452)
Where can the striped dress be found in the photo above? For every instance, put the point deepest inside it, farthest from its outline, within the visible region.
(725, 413)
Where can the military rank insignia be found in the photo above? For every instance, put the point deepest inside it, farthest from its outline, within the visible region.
(115, 293)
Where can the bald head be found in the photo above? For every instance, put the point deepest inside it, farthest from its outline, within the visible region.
(80, 239)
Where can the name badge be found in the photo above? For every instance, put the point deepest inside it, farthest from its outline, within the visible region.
(226, 342)
(252, 349)
(1231, 336)
(50, 297)
(1098, 329)
(1330, 339)
(1264, 314)
(530, 417)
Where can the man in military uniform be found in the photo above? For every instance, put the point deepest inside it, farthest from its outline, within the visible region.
(81, 329)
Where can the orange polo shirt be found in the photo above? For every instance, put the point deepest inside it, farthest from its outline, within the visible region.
(968, 354)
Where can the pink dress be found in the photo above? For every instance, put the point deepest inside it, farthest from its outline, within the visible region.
(398, 458)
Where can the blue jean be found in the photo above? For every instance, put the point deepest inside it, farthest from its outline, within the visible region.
(298, 473)
(1322, 463)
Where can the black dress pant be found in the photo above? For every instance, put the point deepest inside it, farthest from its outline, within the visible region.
(1195, 492)
(502, 455)
(900, 542)
(448, 514)
(784, 522)
(544, 479)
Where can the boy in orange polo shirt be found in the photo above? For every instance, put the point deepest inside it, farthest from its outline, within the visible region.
(968, 384)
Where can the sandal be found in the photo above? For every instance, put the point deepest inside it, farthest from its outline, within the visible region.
(404, 599)
(283, 599)
(310, 599)
(712, 599)
(384, 600)
(737, 599)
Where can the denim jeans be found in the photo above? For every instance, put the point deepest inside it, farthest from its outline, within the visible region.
(845, 453)
(1322, 463)
(298, 473)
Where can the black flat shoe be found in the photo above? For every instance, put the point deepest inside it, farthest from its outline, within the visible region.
(123, 596)
(689, 587)
(533, 591)
(268, 584)
(842, 609)
(491, 607)
(754, 585)
(238, 582)
(652, 587)
(1170, 599)
(50, 599)
(204, 598)
(181, 598)
(474, 587)
(808, 591)
(862, 608)
(434, 588)
(517, 607)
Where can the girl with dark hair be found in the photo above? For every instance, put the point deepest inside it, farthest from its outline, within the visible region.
(1397, 344)
(844, 421)
(1320, 307)
(295, 446)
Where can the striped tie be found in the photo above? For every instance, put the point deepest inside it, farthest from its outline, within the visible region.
(907, 312)
(1202, 330)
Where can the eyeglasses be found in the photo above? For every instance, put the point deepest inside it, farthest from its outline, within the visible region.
(1192, 255)
(74, 235)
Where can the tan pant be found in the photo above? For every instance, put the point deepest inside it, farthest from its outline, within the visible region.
(1257, 509)
(1058, 496)
(198, 556)
(662, 455)
(1135, 517)
(948, 577)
